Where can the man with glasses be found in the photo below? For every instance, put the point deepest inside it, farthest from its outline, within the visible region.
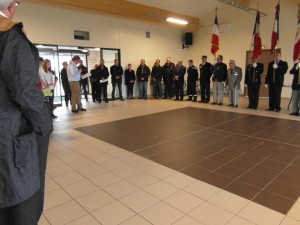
(25, 125)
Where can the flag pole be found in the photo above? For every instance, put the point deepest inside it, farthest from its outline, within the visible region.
(215, 57)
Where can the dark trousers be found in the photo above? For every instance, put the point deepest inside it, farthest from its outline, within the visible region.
(94, 86)
(119, 84)
(157, 89)
(29, 211)
(168, 89)
(84, 88)
(274, 96)
(130, 90)
(102, 89)
(191, 89)
(51, 98)
(179, 89)
(67, 91)
(253, 95)
(205, 91)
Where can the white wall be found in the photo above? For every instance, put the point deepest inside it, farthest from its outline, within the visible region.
(234, 44)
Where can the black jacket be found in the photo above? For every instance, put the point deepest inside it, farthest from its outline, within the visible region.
(192, 74)
(23, 113)
(205, 72)
(83, 72)
(279, 73)
(64, 80)
(167, 72)
(116, 71)
(295, 72)
(157, 73)
(253, 75)
(219, 72)
(93, 77)
(102, 73)
(129, 76)
(180, 72)
(143, 72)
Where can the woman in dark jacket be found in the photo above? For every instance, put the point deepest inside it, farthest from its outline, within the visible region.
(129, 81)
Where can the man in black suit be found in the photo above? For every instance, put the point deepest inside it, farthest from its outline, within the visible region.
(178, 73)
(205, 75)
(219, 79)
(116, 72)
(102, 77)
(274, 81)
(192, 78)
(253, 81)
(84, 82)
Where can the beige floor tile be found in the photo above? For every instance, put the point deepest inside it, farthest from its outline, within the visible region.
(290, 221)
(142, 180)
(95, 200)
(71, 157)
(105, 179)
(85, 220)
(210, 214)
(117, 152)
(183, 201)
(136, 220)
(131, 158)
(120, 189)
(144, 164)
(92, 171)
(112, 164)
(229, 201)
(261, 215)
(126, 171)
(53, 162)
(99, 158)
(188, 221)
(239, 221)
(180, 180)
(55, 198)
(64, 213)
(161, 189)
(113, 214)
(81, 188)
(50, 185)
(139, 201)
(43, 221)
(162, 214)
(59, 170)
(68, 178)
(160, 171)
(81, 163)
(295, 211)
(202, 190)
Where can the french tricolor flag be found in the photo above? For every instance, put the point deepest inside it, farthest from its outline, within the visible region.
(275, 33)
(297, 39)
(256, 39)
(215, 37)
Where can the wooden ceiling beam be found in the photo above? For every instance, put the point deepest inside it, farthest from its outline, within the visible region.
(123, 8)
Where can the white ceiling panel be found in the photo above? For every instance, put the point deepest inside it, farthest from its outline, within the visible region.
(194, 8)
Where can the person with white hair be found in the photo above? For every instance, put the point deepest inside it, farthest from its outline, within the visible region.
(25, 124)
(233, 81)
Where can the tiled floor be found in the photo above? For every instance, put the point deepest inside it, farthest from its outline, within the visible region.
(222, 167)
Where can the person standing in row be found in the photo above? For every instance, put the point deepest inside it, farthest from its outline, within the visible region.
(156, 76)
(102, 75)
(65, 83)
(143, 73)
(116, 72)
(205, 75)
(94, 83)
(253, 82)
(167, 72)
(192, 78)
(274, 81)
(178, 76)
(219, 78)
(234, 77)
(296, 88)
(83, 81)
(129, 81)
(74, 80)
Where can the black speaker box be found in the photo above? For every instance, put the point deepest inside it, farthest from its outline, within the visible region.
(188, 38)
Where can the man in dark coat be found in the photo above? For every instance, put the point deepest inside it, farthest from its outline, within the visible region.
(116, 72)
(205, 75)
(296, 88)
(25, 125)
(219, 78)
(84, 82)
(192, 78)
(94, 83)
(143, 73)
(178, 76)
(253, 81)
(156, 75)
(65, 83)
(102, 77)
(274, 81)
(167, 73)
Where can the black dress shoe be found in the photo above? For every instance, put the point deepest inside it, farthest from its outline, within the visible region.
(277, 110)
(249, 107)
(81, 109)
(214, 103)
(106, 101)
(75, 111)
(220, 103)
(269, 109)
(122, 99)
(235, 106)
(230, 105)
(176, 99)
(294, 114)
(202, 101)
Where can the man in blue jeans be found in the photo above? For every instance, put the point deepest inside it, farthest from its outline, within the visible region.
(143, 72)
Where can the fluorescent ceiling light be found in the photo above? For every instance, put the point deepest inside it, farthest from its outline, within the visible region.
(178, 21)
(84, 50)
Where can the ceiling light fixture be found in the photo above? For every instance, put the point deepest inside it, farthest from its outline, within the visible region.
(177, 21)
